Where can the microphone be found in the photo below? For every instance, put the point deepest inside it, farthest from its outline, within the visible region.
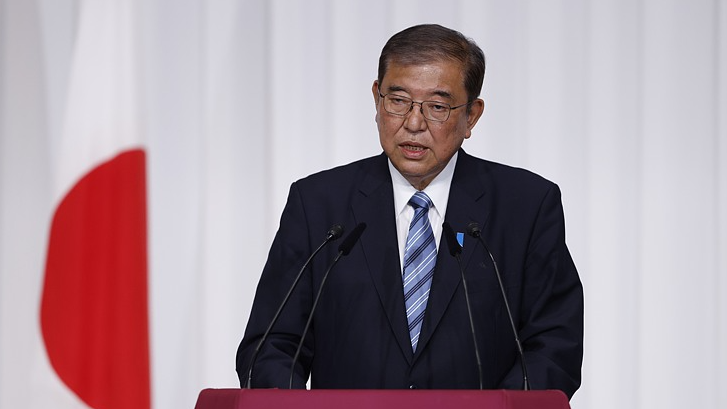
(473, 229)
(343, 250)
(456, 250)
(333, 233)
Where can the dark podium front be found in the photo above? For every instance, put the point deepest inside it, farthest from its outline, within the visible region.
(379, 399)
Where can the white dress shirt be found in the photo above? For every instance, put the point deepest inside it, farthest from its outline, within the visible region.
(438, 192)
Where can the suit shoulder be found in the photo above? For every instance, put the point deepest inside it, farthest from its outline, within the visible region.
(344, 174)
(510, 176)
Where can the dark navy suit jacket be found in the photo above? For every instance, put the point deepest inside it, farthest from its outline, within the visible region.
(359, 336)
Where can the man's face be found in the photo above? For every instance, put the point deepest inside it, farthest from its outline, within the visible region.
(420, 148)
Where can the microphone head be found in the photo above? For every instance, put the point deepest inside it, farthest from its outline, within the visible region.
(454, 248)
(351, 239)
(335, 232)
(473, 229)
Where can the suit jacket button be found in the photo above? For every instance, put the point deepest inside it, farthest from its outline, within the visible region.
(412, 386)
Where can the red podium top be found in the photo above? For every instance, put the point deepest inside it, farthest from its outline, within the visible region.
(380, 399)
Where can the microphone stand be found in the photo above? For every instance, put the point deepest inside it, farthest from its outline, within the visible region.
(333, 233)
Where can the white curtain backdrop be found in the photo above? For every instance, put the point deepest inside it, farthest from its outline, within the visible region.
(623, 103)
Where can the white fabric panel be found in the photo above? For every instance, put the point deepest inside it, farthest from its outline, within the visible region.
(610, 235)
(678, 268)
(622, 103)
(25, 205)
(720, 223)
(174, 59)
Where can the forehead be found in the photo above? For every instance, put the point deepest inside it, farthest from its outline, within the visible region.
(441, 78)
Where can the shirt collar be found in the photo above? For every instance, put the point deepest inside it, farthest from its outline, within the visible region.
(437, 190)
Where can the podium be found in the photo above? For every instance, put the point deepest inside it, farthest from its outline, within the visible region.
(379, 399)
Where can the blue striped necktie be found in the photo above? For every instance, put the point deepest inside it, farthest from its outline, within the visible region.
(420, 256)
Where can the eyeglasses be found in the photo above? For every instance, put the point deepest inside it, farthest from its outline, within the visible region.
(432, 110)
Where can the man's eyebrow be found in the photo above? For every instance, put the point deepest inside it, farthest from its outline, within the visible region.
(439, 93)
(396, 88)
(443, 94)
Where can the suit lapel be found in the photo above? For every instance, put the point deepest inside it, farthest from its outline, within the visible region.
(375, 207)
(465, 205)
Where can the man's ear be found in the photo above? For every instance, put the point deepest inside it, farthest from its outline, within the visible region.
(474, 112)
(476, 109)
(375, 91)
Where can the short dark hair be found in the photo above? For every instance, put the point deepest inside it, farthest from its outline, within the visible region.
(428, 43)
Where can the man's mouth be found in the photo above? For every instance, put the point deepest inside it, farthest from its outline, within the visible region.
(413, 151)
(413, 147)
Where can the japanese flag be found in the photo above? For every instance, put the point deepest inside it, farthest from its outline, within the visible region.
(94, 307)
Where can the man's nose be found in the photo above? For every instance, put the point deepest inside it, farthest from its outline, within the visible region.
(415, 120)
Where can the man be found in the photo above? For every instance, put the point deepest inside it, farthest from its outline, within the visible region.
(393, 313)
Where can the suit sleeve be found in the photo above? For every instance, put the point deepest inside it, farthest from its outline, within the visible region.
(290, 248)
(551, 306)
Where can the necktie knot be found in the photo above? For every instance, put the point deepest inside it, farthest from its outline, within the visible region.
(420, 200)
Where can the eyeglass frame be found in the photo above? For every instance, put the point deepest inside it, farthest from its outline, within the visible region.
(421, 107)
